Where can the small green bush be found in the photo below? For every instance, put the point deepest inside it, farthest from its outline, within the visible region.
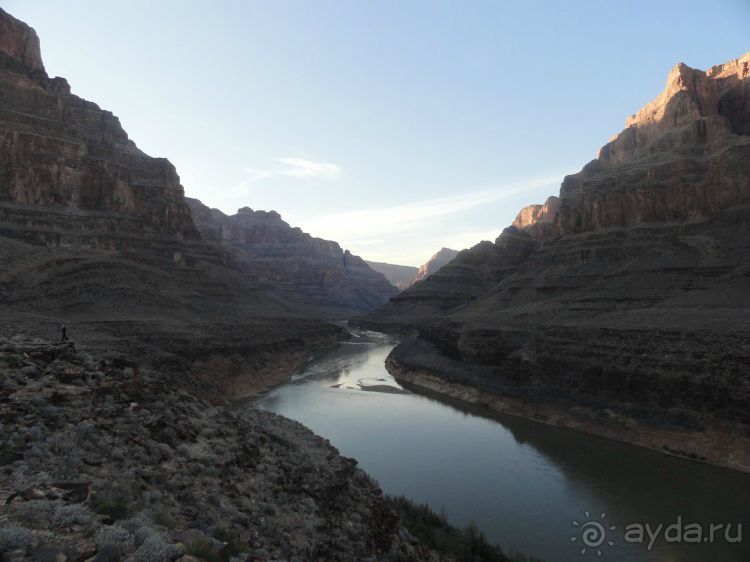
(9, 454)
(113, 503)
(467, 544)
(205, 549)
(115, 506)
(12, 361)
(116, 501)
(223, 535)
(163, 518)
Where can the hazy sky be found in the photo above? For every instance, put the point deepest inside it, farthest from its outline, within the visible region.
(392, 127)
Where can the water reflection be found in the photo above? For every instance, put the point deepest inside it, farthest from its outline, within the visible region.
(522, 482)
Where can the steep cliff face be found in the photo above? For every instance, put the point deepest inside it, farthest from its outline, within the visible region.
(442, 257)
(629, 291)
(684, 156)
(63, 153)
(272, 252)
(20, 42)
(539, 220)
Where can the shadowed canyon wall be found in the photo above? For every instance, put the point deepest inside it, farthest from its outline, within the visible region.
(95, 233)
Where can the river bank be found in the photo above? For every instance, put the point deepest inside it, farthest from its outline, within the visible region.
(104, 461)
(716, 444)
(520, 482)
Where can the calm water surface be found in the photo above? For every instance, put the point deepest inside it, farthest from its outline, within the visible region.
(523, 483)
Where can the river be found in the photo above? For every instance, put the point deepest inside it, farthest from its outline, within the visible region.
(529, 487)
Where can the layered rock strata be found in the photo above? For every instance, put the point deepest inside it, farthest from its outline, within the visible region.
(632, 289)
(293, 262)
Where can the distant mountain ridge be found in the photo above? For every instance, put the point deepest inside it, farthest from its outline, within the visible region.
(291, 260)
(400, 276)
(403, 276)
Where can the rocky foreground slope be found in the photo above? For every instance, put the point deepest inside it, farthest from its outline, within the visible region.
(105, 460)
(628, 296)
(99, 235)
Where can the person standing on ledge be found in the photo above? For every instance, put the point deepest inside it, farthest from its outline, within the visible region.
(64, 332)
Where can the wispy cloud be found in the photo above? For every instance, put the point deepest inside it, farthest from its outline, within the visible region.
(291, 168)
(238, 194)
(303, 168)
(408, 216)
(406, 233)
(240, 189)
(409, 233)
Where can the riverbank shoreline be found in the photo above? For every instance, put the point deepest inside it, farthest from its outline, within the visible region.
(263, 384)
(231, 376)
(249, 385)
(518, 481)
(715, 446)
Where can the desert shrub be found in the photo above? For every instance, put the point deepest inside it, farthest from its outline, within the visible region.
(207, 550)
(12, 361)
(14, 538)
(75, 514)
(156, 549)
(114, 502)
(115, 507)
(34, 512)
(203, 550)
(10, 453)
(164, 518)
(138, 523)
(115, 535)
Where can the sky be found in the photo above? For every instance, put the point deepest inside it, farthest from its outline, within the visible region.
(394, 127)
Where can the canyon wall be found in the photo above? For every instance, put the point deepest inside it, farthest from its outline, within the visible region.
(684, 156)
(275, 254)
(60, 151)
(19, 42)
(70, 176)
(631, 290)
(99, 235)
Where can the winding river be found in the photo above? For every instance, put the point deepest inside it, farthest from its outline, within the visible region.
(547, 492)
